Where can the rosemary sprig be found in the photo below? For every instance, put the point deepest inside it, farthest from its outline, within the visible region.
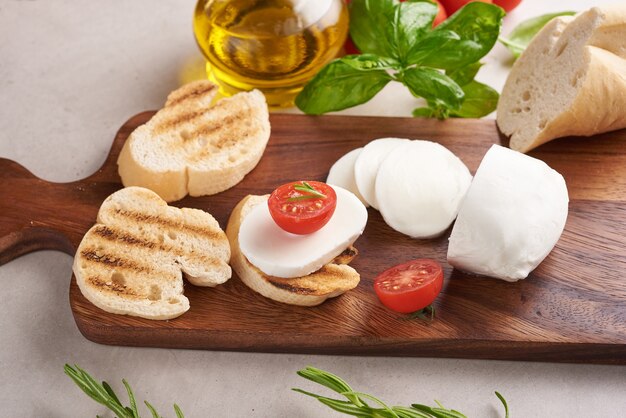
(356, 405)
(310, 192)
(104, 394)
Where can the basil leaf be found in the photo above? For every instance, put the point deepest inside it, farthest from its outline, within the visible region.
(369, 20)
(523, 33)
(434, 86)
(368, 62)
(430, 45)
(341, 84)
(477, 26)
(412, 20)
(464, 75)
(423, 112)
(480, 100)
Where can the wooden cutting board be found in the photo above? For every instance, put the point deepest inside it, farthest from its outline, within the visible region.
(572, 308)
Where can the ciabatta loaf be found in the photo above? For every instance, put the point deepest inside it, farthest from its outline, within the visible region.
(132, 261)
(331, 280)
(571, 80)
(191, 147)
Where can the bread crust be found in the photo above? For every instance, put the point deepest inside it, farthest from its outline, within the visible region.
(571, 80)
(132, 261)
(193, 147)
(331, 280)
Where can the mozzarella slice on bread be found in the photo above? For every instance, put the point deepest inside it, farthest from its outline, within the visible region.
(331, 280)
(132, 261)
(191, 147)
(281, 254)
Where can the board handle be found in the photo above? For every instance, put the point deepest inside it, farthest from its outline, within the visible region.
(38, 215)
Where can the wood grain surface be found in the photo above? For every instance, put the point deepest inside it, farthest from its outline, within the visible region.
(572, 308)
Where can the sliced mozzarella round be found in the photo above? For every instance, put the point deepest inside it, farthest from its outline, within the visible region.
(419, 188)
(278, 253)
(342, 174)
(511, 218)
(367, 163)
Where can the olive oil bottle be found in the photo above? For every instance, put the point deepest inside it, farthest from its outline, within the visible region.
(273, 45)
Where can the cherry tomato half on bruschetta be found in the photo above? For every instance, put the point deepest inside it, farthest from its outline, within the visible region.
(411, 286)
(302, 207)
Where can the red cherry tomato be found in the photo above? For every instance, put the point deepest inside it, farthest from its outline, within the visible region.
(302, 207)
(441, 16)
(350, 48)
(507, 5)
(411, 286)
(454, 5)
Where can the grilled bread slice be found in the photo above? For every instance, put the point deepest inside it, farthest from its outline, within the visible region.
(130, 261)
(189, 147)
(571, 80)
(331, 280)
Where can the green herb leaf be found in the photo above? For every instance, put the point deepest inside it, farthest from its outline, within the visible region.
(310, 192)
(131, 397)
(111, 392)
(405, 412)
(464, 75)
(369, 62)
(426, 314)
(438, 412)
(477, 26)
(433, 86)
(520, 37)
(153, 411)
(423, 112)
(369, 20)
(340, 85)
(94, 390)
(345, 407)
(179, 413)
(412, 20)
(480, 100)
(357, 407)
(104, 394)
(332, 382)
(506, 407)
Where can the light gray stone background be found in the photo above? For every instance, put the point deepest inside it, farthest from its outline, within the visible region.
(71, 72)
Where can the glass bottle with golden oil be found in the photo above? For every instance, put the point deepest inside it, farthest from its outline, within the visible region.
(273, 45)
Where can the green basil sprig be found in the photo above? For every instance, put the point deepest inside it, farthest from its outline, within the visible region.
(399, 44)
(520, 37)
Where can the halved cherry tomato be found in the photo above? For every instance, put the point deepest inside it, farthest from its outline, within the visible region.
(507, 5)
(411, 286)
(302, 207)
(454, 5)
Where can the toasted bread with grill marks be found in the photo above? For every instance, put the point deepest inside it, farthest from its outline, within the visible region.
(192, 147)
(132, 260)
(333, 279)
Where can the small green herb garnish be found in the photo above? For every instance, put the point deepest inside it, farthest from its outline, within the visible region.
(399, 44)
(356, 403)
(427, 314)
(311, 192)
(104, 394)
